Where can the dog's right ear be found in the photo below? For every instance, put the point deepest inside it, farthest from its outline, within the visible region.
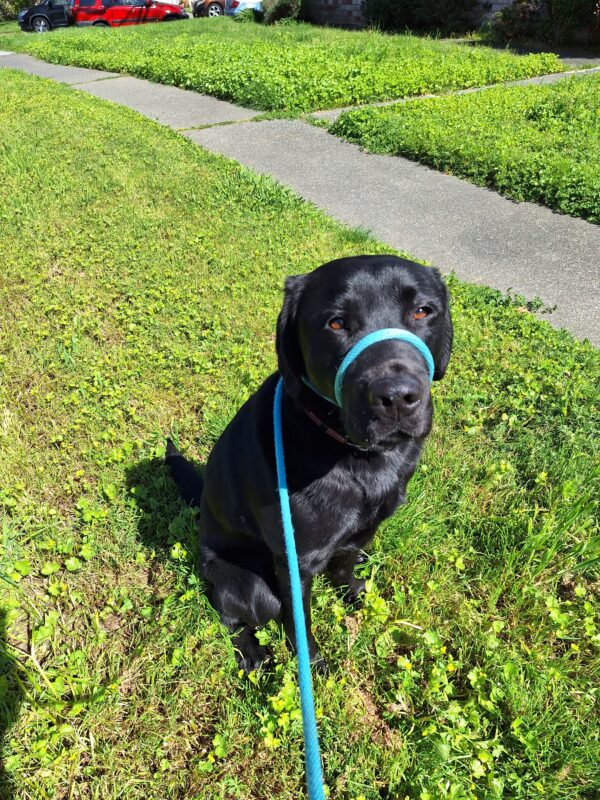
(289, 354)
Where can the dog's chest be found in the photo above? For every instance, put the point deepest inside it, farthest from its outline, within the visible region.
(350, 498)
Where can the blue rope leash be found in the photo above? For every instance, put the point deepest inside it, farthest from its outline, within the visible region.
(312, 755)
(382, 335)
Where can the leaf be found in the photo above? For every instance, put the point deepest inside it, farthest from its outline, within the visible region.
(87, 551)
(49, 568)
(220, 746)
(73, 564)
(444, 750)
(110, 491)
(42, 633)
(477, 768)
(510, 671)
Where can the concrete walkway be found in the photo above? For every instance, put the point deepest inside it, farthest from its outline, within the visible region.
(168, 105)
(474, 232)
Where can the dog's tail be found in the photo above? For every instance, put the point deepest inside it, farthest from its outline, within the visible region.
(185, 475)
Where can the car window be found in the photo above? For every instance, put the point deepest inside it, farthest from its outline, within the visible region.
(87, 3)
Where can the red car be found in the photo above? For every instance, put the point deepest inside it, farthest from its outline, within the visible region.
(50, 14)
(124, 12)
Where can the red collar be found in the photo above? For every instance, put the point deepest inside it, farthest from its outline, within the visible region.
(324, 427)
(340, 438)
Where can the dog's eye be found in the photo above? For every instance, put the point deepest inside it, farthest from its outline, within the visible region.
(421, 312)
(337, 323)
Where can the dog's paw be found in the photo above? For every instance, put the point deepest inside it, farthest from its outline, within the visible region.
(250, 655)
(319, 665)
(353, 595)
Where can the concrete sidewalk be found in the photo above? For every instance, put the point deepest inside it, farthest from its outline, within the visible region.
(459, 227)
(168, 105)
(474, 232)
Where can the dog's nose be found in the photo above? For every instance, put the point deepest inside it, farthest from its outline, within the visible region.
(397, 395)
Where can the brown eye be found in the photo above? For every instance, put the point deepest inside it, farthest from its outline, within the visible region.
(421, 313)
(337, 323)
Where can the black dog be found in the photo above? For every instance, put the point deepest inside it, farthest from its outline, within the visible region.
(347, 468)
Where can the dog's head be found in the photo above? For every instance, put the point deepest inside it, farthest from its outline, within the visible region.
(385, 394)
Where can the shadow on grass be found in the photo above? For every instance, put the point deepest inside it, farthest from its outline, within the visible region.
(164, 517)
(11, 696)
(575, 53)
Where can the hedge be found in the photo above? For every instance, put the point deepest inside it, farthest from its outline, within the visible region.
(285, 67)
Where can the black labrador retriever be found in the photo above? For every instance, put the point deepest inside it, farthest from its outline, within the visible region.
(347, 468)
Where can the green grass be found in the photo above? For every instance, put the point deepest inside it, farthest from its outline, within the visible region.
(536, 143)
(141, 280)
(291, 67)
(9, 28)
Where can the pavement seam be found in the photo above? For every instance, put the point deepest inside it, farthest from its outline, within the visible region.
(96, 80)
(215, 124)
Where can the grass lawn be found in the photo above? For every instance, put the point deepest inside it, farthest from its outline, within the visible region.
(141, 280)
(10, 27)
(291, 67)
(537, 143)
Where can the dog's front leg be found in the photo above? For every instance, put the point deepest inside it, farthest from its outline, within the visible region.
(341, 566)
(341, 572)
(306, 581)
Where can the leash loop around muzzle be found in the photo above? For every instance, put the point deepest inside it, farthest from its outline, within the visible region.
(381, 335)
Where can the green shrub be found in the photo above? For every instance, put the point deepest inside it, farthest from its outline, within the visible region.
(537, 143)
(421, 15)
(520, 20)
(10, 8)
(276, 10)
(564, 18)
(285, 67)
(552, 21)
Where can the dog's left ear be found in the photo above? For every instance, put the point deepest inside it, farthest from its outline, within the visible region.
(289, 354)
(442, 356)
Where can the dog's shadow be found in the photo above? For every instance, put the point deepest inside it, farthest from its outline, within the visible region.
(11, 695)
(164, 519)
(165, 522)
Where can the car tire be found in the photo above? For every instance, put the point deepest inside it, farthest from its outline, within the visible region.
(214, 10)
(40, 25)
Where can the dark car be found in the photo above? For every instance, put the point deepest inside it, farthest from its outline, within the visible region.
(47, 15)
(108, 13)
